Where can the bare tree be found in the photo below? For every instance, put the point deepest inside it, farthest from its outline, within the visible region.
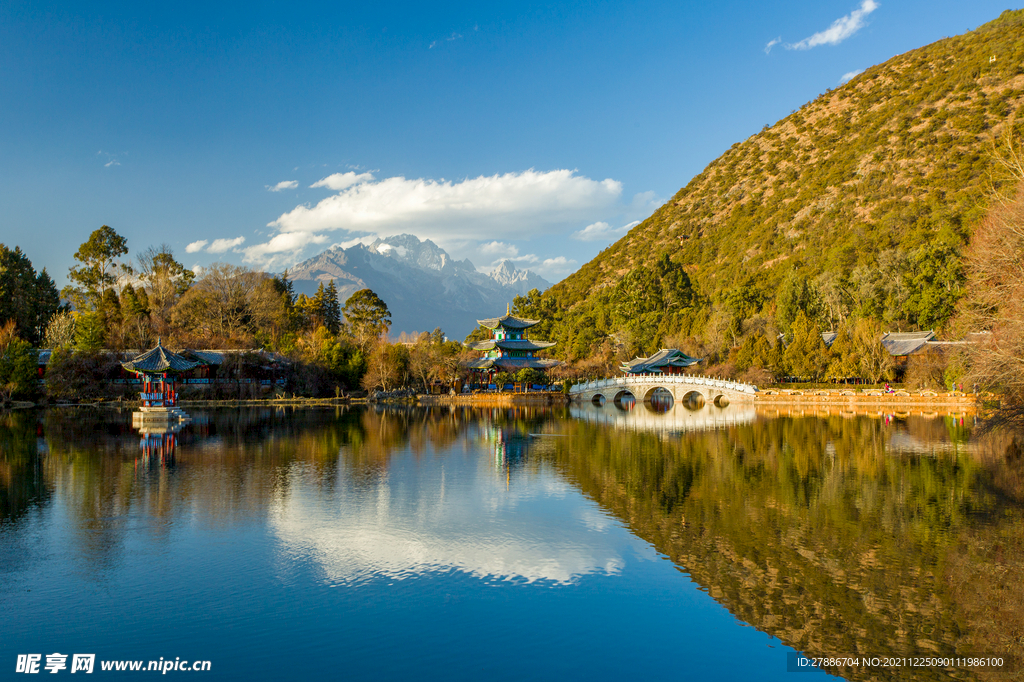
(995, 304)
(228, 303)
(165, 281)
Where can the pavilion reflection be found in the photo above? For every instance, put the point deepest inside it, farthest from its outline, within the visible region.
(158, 444)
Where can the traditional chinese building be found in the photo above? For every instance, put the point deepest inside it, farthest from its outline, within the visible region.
(665, 361)
(159, 370)
(509, 349)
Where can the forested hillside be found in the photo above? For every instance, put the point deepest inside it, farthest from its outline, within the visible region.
(857, 206)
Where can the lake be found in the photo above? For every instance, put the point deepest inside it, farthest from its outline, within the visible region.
(510, 544)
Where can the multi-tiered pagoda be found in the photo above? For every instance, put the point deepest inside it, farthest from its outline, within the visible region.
(509, 350)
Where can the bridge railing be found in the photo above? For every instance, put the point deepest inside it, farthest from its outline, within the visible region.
(687, 379)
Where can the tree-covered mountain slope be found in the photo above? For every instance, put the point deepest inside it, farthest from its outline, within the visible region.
(858, 205)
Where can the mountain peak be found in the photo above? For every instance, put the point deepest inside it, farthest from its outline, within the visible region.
(423, 286)
(508, 275)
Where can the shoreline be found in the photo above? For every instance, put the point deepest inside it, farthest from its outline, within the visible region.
(823, 398)
(785, 398)
(494, 399)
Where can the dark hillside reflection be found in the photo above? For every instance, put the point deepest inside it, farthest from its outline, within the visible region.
(835, 535)
(838, 535)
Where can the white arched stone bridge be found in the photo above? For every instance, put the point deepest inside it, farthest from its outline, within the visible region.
(683, 388)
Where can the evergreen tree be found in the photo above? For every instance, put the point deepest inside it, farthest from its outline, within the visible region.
(806, 355)
(318, 307)
(17, 364)
(90, 331)
(332, 309)
(98, 268)
(367, 316)
(845, 362)
(47, 304)
(30, 300)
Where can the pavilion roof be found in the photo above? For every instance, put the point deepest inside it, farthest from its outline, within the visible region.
(666, 357)
(158, 360)
(905, 343)
(511, 344)
(509, 321)
(511, 364)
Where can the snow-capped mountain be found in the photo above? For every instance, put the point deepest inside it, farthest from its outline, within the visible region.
(423, 286)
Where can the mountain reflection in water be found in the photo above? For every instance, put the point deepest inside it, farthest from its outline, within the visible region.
(838, 535)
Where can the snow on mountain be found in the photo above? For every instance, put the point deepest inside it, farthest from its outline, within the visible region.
(423, 286)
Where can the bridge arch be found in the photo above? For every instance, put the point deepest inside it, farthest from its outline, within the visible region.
(598, 399)
(721, 400)
(658, 399)
(624, 399)
(693, 399)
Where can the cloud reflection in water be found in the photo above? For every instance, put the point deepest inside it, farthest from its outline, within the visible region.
(437, 514)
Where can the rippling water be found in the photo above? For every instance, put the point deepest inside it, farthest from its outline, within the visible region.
(509, 544)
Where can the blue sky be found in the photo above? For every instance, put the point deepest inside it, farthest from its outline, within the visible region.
(524, 130)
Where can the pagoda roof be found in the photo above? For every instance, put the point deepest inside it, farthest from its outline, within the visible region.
(511, 344)
(511, 364)
(509, 321)
(666, 357)
(159, 360)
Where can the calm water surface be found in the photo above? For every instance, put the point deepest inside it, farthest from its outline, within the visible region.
(508, 544)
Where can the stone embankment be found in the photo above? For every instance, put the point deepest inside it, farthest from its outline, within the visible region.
(537, 398)
(871, 398)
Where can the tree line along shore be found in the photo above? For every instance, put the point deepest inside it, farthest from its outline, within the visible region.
(317, 347)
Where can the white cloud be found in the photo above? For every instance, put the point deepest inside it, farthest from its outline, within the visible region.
(195, 247)
(643, 205)
(222, 245)
(509, 206)
(850, 75)
(112, 162)
(602, 230)
(450, 38)
(340, 181)
(366, 241)
(282, 247)
(771, 44)
(555, 269)
(284, 184)
(499, 249)
(841, 29)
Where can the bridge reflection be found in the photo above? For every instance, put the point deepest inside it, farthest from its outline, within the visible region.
(677, 417)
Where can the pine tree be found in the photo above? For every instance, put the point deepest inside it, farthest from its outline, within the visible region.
(98, 264)
(332, 309)
(318, 307)
(28, 299)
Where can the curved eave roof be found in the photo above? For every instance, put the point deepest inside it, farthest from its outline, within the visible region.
(511, 364)
(509, 321)
(520, 363)
(159, 360)
(666, 357)
(523, 344)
